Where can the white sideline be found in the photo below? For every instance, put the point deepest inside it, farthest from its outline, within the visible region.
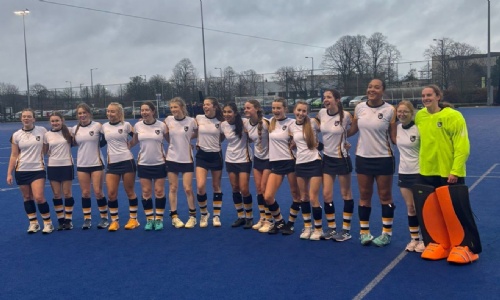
(370, 286)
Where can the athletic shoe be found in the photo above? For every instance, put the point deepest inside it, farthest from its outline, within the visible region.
(47, 228)
(216, 221)
(132, 224)
(191, 222)
(177, 223)
(158, 224)
(343, 236)
(306, 233)
(68, 225)
(33, 228)
(103, 224)
(204, 220)
(420, 247)
(277, 227)
(288, 229)
(114, 226)
(329, 234)
(266, 226)
(248, 224)
(410, 247)
(87, 223)
(149, 225)
(259, 224)
(382, 240)
(316, 235)
(239, 222)
(366, 239)
(61, 225)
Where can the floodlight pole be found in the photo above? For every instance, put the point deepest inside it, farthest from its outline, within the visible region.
(23, 13)
(203, 40)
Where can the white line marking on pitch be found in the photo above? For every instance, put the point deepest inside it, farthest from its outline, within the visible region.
(400, 257)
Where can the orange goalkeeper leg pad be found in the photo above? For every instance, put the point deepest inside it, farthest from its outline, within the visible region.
(462, 255)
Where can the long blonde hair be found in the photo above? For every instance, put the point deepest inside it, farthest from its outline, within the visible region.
(307, 130)
(121, 115)
(273, 121)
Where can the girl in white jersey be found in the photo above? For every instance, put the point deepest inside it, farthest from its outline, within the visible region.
(376, 122)
(89, 165)
(258, 133)
(282, 162)
(121, 165)
(181, 129)
(209, 157)
(336, 163)
(238, 164)
(60, 171)
(150, 134)
(307, 169)
(26, 158)
(408, 142)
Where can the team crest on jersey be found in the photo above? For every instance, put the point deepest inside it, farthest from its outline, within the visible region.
(120, 131)
(380, 116)
(283, 128)
(37, 138)
(412, 138)
(157, 132)
(337, 123)
(439, 124)
(91, 133)
(217, 126)
(186, 128)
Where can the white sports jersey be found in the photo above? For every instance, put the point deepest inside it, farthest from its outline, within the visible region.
(117, 136)
(304, 154)
(408, 141)
(373, 123)
(334, 133)
(30, 143)
(87, 138)
(209, 133)
(260, 141)
(238, 150)
(279, 138)
(59, 150)
(150, 137)
(180, 133)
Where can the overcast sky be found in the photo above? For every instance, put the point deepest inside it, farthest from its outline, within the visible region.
(64, 42)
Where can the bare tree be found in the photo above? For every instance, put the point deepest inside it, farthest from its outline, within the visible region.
(253, 81)
(392, 55)
(184, 78)
(376, 48)
(339, 59)
(293, 80)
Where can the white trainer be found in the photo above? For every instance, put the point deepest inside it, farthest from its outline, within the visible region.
(33, 228)
(420, 247)
(306, 233)
(216, 221)
(204, 220)
(316, 235)
(266, 226)
(48, 228)
(177, 223)
(259, 224)
(191, 222)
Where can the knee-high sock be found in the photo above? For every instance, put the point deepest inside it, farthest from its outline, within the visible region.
(317, 216)
(59, 209)
(306, 213)
(238, 205)
(364, 219)
(44, 210)
(217, 203)
(30, 209)
(113, 209)
(262, 206)
(387, 218)
(330, 214)
(147, 205)
(103, 207)
(160, 204)
(413, 227)
(294, 211)
(69, 203)
(347, 214)
(247, 203)
(202, 203)
(275, 211)
(132, 207)
(87, 208)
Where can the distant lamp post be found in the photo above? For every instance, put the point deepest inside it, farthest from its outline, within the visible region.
(70, 90)
(203, 41)
(92, 81)
(24, 13)
(489, 89)
(220, 92)
(442, 61)
(312, 74)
